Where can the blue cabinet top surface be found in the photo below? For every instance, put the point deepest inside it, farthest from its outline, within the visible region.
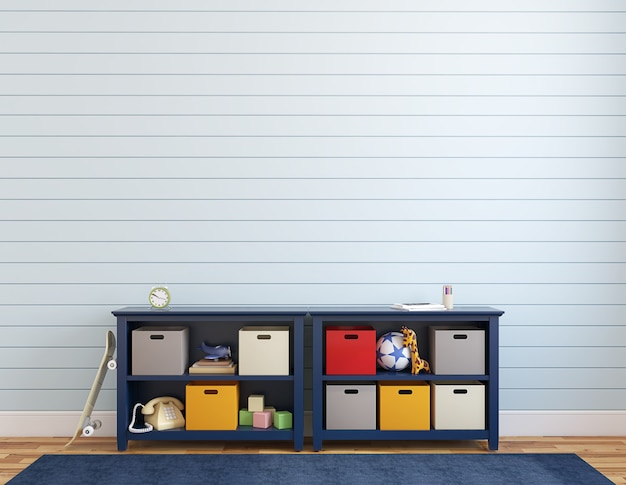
(338, 310)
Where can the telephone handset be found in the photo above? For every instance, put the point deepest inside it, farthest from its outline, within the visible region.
(160, 413)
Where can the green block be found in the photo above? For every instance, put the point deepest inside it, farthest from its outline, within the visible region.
(245, 417)
(283, 420)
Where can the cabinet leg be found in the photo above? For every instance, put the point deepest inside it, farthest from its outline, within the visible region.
(122, 445)
(298, 444)
(317, 445)
(493, 444)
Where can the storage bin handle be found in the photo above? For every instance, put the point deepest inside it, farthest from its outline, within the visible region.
(210, 391)
(460, 336)
(157, 337)
(460, 391)
(405, 391)
(351, 336)
(351, 391)
(264, 337)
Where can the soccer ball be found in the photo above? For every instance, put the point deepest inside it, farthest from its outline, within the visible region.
(391, 354)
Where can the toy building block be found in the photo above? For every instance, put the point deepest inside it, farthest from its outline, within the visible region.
(256, 403)
(283, 420)
(262, 419)
(245, 417)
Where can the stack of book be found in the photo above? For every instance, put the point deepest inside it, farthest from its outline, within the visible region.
(416, 307)
(213, 366)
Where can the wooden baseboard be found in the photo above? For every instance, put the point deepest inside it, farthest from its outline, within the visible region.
(512, 423)
(562, 423)
(51, 423)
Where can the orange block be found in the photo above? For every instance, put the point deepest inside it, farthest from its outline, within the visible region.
(403, 405)
(212, 405)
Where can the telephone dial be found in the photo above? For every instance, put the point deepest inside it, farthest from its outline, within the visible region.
(160, 413)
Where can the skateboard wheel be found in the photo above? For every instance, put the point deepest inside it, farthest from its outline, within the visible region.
(112, 364)
(88, 430)
(97, 424)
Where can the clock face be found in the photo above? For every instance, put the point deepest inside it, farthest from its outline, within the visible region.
(159, 297)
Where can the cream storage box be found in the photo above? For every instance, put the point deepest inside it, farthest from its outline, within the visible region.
(264, 350)
(457, 405)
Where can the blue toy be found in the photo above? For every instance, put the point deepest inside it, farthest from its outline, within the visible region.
(215, 352)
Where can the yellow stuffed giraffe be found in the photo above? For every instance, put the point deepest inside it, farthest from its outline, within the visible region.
(410, 341)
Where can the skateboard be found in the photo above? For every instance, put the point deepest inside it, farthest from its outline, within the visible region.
(86, 426)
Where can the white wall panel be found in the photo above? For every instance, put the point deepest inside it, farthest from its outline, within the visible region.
(277, 125)
(383, 19)
(561, 357)
(54, 400)
(294, 85)
(88, 335)
(329, 64)
(321, 5)
(350, 231)
(314, 146)
(149, 252)
(313, 272)
(561, 378)
(309, 106)
(77, 315)
(198, 191)
(313, 42)
(314, 209)
(59, 358)
(568, 314)
(314, 168)
(594, 334)
(44, 378)
(336, 152)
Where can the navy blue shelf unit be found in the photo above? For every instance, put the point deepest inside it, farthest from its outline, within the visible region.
(386, 319)
(224, 322)
(216, 325)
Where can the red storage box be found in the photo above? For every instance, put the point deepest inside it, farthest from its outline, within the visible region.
(350, 350)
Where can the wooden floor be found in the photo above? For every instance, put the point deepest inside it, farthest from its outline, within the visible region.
(607, 455)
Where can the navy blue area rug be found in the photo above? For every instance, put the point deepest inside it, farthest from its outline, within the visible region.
(309, 469)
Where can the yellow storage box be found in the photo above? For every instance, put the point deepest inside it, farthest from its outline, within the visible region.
(212, 405)
(403, 405)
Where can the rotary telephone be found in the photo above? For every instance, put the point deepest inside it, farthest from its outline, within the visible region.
(160, 413)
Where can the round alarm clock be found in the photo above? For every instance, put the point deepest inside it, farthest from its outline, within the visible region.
(159, 297)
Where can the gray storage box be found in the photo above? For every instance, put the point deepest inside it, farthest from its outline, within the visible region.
(159, 351)
(350, 406)
(457, 350)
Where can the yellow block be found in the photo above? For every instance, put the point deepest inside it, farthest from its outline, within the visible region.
(403, 405)
(212, 405)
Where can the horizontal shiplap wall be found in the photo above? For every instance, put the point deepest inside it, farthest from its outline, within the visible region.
(344, 152)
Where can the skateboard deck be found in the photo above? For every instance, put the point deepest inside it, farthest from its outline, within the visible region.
(85, 425)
